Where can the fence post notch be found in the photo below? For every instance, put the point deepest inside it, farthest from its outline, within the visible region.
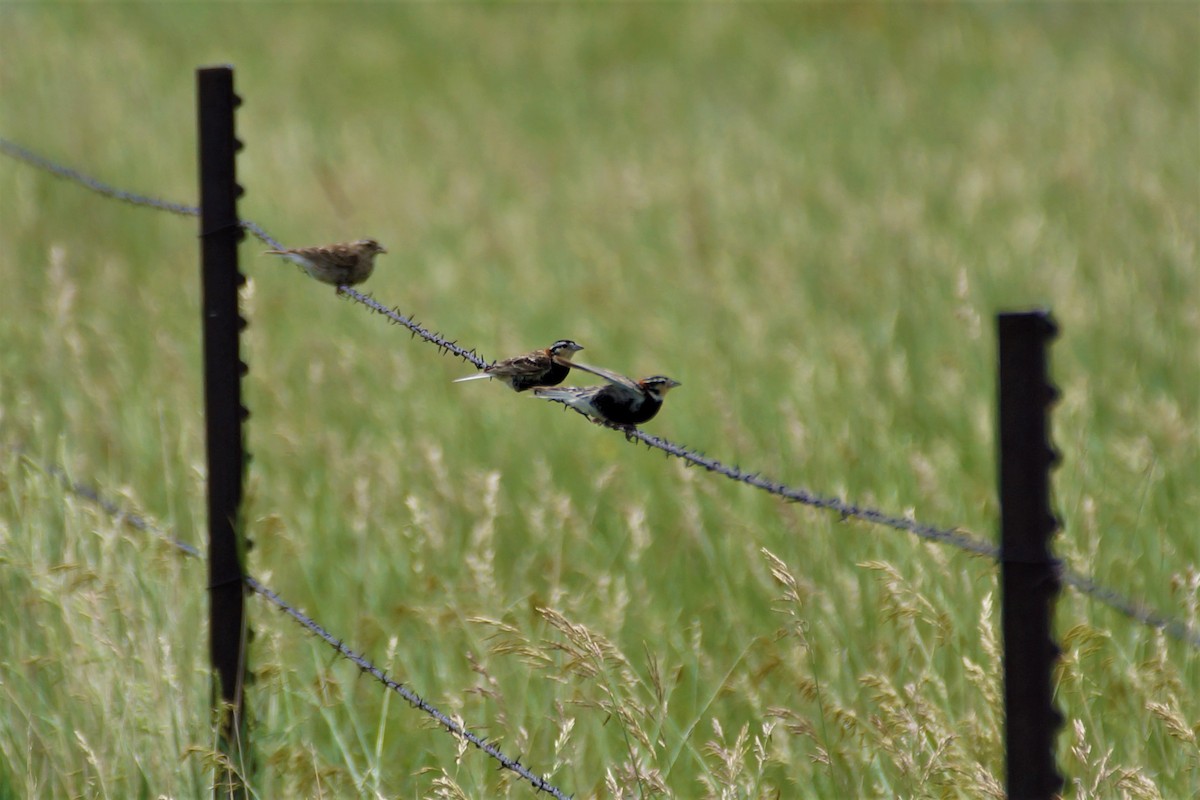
(1029, 573)
(220, 233)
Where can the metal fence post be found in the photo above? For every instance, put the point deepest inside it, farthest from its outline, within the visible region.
(220, 233)
(1028, 571)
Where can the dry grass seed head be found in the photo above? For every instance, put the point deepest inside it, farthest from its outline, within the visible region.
(793, 722)
(1133, 783)
(639, 533)
(565, 726)
(460, 749)
(632, 780)
(904, 602)
(1186, 586)
(443, 786)
(481, 552)
(490, 687)
(509, 640)
(985, 785)
(1158, 676)
(723, 779)
(1172, 719)
(588, 653)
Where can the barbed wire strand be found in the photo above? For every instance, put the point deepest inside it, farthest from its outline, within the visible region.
(393, 314)
(16, 151)
(1175, 628)
(950, 536)
(28, 156)
(411, 697)
(140, 523)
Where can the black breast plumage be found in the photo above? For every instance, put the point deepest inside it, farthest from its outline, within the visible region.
(616, 406)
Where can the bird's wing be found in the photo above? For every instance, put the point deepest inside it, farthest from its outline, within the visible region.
(338, 255)
(615, 378)
(534, 363)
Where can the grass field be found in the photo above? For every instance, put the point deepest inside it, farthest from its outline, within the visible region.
(807, 214)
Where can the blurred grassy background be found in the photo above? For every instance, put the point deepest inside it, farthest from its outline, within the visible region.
(808, 215)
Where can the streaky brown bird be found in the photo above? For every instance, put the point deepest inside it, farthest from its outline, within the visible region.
(546, 367)
(342, 264)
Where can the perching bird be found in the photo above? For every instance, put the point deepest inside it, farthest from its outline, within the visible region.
(621, 401)
(546, 367)
(343, 264)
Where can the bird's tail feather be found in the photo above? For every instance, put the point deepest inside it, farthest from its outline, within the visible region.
(299, 260)
(551, 393)
(478, 377)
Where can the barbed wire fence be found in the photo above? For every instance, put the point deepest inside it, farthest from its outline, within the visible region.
(142, 523)
(953, 537)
